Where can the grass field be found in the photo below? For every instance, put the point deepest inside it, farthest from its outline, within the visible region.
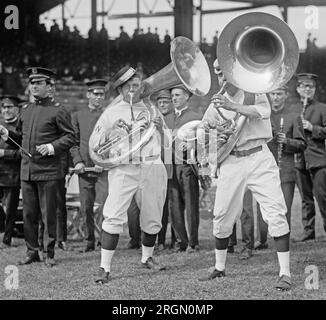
(72, 278)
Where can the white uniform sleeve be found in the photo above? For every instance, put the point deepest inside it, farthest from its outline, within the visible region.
(261, 106)
(50, 148)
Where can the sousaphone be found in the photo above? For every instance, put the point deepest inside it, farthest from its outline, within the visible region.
(258, 53)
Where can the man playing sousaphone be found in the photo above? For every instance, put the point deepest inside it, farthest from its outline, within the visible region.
(250, 165)
(143, 175)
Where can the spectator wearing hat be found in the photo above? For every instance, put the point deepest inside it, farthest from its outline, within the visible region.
(167, 38)
(9, 168)
(311, 164)
(10, 81)
(45, 131)
(142, 175)
(184, 190)
(83, 122)
(55, 30)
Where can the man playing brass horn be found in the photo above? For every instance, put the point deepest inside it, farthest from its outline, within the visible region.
(143, 176)
(250, 165)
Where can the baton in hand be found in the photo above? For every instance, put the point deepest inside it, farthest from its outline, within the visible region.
(20, 147)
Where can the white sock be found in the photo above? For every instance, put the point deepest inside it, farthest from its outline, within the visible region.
(146, 252)
(106, 257)
(284, 262)
(220, 259)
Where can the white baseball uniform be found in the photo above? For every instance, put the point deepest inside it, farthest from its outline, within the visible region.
(257, 172)
(144, 176)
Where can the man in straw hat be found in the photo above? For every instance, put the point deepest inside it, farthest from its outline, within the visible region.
(142, 176)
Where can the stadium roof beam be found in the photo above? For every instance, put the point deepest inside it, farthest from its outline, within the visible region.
(170, 13)
(94, 14)
(135, 15)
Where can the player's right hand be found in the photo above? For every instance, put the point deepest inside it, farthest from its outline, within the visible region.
(122, 124)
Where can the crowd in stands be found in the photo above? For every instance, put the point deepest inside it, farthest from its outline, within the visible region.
(74, 57)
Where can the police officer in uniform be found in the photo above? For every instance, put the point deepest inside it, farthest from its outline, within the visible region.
(311, 165)
(46, 134)
(9, 167)
(83, 122)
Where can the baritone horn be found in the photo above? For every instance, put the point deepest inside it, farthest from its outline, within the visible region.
(188, 67)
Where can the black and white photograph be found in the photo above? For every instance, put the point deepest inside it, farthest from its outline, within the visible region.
(162, 156)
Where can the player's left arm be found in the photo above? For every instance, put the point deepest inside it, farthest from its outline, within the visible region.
(260, 110)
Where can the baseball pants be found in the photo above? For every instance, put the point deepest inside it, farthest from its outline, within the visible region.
(259, 173)
(148, 183)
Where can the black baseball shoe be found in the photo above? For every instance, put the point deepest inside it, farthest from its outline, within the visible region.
(133, 245)
(89, 248)
(245, 254)
(153, 265)
(64, 246)
(260, 246)
(30, 259)
(215, 274)
(305, 237)
(102, 277)
(49, 262)
(193, 249)
(283, 283)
